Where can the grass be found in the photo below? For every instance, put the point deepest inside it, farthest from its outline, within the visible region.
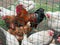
(48, 7)
(2, 23)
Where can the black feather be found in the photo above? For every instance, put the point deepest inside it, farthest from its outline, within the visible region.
(41, 15)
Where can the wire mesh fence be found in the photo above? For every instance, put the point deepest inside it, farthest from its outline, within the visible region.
(47, 5)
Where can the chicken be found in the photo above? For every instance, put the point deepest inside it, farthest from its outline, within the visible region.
(28, 4)
(38, 38)
(41, 38)
(20, 10)
(23, 17)
(35, 18)
(8, 16)
(18, 32)
(4, 12)
(10, 21)
(53, 20)
(54, 23)
(25, 40)
(9, 39)
(53, 42)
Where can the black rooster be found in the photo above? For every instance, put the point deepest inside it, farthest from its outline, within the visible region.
(39, 17)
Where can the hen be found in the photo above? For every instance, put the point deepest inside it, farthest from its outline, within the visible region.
(4, 12)
(28, 4)
(8, 16)
(54, 23)
(19, 31)
(7, 38)
(41, 38)
(20, 10)
(9, 20)
(25, 41)
(38, 38)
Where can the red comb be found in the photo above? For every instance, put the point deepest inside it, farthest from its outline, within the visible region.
(3, 17)
(19, 8)
(51, 33)
(48, 15)
(58, 39)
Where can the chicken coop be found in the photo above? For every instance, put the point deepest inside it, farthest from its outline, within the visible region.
(29, 22)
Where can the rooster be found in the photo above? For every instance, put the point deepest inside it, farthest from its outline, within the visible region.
(35, 18)
(54, 23)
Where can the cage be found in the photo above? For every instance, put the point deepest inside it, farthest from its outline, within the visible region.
(51, 7)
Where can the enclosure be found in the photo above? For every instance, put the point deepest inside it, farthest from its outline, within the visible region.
(47, 5)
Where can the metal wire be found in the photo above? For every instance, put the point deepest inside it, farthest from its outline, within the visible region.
(46, 4)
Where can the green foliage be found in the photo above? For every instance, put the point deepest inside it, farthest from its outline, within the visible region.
(47, 7)
(2, 24)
